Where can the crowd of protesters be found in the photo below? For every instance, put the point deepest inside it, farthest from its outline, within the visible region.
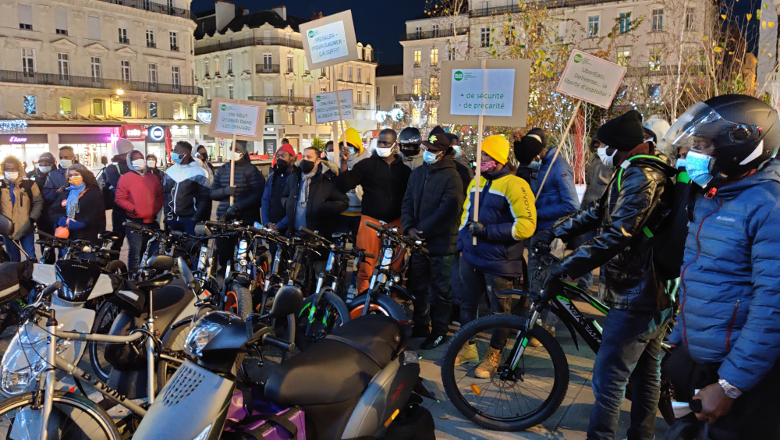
(720, 154)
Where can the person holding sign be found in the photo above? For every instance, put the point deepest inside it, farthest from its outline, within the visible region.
(430, 212)
(507, 217)
(351, 154)
(639, 304)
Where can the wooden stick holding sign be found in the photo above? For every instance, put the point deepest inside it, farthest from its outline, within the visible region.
(603, 80)
(233, 167)
(480, 128)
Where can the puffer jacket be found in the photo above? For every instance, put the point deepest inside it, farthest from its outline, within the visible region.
(384, 186)
(325, 201)
(140, 196)
(26, 209)
(272, 209)
(506, 208)
(559, 196)
(432, 204)
(730, 295)
(249, 182)
(623, 249)
(186, 191)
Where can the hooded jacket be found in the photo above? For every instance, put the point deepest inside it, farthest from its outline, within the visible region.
(623, 249)
(432, 204)
(384, 186)
(506, 208)
(730, 297)
(186, 191)
(272, 209)
(249, 182)
(139, 195)
(325, 201)
(559, 196)
(91, 213)
(116, 169)
(27, 208)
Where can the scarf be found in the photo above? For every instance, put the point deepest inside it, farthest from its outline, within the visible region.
(72, 206)
(304, 198)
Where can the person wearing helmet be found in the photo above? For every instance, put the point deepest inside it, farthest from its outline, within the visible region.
(409, 141)
(507, 217)
(633, 204)
(727, 338)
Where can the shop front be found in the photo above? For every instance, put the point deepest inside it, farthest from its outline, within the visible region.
(89, 148)
(24, 146)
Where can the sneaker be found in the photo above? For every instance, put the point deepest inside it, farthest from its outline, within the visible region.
(433, 341)
(489, 364)
(419, 331)
(467, 355)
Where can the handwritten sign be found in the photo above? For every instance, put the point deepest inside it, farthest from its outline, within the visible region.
(591, 79)
(326, 108)
(232, 117)
(469, 97)
(329, 40)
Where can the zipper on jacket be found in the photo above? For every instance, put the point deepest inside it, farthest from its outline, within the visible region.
(731, 325)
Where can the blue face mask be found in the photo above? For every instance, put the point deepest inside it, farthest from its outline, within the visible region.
(681, 163)
(699, 167)
(177, 158)
(429, 157)
(535, 165)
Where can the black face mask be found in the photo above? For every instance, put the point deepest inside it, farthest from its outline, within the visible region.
(409, 152)
(306, 166)
(281, 164)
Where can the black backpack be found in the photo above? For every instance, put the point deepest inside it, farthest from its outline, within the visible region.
(105, 187)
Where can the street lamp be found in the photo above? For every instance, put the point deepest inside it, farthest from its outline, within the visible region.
(120, 92)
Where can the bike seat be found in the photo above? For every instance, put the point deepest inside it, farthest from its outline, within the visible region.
(108, 235)
(161, 262)
(155, 283)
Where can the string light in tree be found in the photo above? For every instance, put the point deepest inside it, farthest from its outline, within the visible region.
(13, 126)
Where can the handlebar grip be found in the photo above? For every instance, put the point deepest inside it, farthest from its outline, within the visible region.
(110, 252)
(254, 230)
(213, 223)
(423, 250)
(51, 288)
(46, 235)
(695, 405)
(132, 225)
(278, 343)
(375, 227)
(308, 232)
(371, 256)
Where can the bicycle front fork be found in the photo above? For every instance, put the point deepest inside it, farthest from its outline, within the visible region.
(521, 341)
(50, 376)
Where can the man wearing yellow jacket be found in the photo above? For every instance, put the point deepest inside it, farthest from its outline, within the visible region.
(507, 216)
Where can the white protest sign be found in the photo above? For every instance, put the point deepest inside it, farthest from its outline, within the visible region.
(330, 40)
(591, 79)
(242, 119)
(326, 108)
(469, 98)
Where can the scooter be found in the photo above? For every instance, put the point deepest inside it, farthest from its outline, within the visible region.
(354, 383)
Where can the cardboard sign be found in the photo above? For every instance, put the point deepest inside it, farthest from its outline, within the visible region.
(591, 79)
(244, 119)
(329, 40)
(499, 92)
(326, 108)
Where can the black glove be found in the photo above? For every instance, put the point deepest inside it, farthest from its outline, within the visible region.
(231, 212)
(544, 237)
(549, 275)
(230, 191)
(477, 229)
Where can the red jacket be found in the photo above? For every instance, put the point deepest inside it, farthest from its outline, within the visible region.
(140, 196)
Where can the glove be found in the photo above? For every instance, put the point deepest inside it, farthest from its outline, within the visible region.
(231, 212)
(230, 191)
(63, 221)
(549, 275)
(477, 229)
(544, 237)
(75, 226)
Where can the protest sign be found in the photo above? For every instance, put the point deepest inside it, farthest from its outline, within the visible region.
(591, 79)
(329, 40)
(326, 107)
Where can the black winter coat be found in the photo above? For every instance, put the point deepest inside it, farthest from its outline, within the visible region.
(91, 212)
(116, 169)
(432, 204)
(384, 186)
(249, 183)
(326, 201)
(623, 249)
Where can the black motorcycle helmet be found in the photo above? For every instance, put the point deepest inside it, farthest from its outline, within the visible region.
(409, 141)
(741, 133)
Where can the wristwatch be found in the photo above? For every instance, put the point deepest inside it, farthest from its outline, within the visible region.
(730, 390)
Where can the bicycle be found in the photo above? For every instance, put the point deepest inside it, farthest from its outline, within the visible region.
(543, 372)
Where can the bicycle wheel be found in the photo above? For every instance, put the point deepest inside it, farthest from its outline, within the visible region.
(507, 401)
(73, 417)
(382, 304)
(172, 345)
(105, 317)
(315, 321)
(238, 301)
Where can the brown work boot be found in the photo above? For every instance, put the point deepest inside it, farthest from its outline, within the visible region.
(489, 364)
(467, 355)
(533, 342)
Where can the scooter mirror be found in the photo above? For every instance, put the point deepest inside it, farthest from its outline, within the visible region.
(184, 270)
(287, 301)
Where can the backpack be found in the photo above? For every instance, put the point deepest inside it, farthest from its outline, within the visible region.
(105, 187)
(26, 185)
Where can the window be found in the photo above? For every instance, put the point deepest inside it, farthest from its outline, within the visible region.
(624, 21)
(153, 73)
(230, 64)
(395, 90)
(510, 36)
(433, 116)
(216, 66)
(690, 19)
(451, 54)
(418, 32)
(152, 109)
(25, 19)
(308, 118)
(658, 20)
(150, 38)
(417, 89)
(654, 91)
(655, 60)
(269, 116)
(349, 73)
(63, 65)
(206, 66)
(434, 57)
(267, 61)
(170, 7)
(359, 74)
(623, 57)
(126, 71)
(291, 117)
(359, 98)
(230, 91)
(435, 30)
(291, 91)
(65, 106)
(207, 92)
(176, 77)
(174, 42)
(127, 109)
(417, 58)
(593, 26)
(123, 36)
(61, 22)
(434, 88)
(28, 62)
(484, 37)
(368, 98)
(97, 107)
(97, 71)
(30, 105)
(289, 62)
(287, 39)
(93, 24)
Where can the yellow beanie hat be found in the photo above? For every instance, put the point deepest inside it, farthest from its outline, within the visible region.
(353, 138)
(497, 147)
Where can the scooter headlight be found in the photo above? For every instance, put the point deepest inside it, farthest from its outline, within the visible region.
(205, 329)
(15, 382)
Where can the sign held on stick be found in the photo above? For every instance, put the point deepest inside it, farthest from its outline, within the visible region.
(591, 79)
(326, 107)
(330, 40)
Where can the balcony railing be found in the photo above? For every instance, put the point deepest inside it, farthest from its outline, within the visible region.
(282, 100)
(245, 42)
(152, 6)
(55, 79)
(402, 97)
(441, 33)
(363, 106)
(540, 4)
(267, 68)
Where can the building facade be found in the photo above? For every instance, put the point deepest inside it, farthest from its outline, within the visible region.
(259, 57)
(83, 73)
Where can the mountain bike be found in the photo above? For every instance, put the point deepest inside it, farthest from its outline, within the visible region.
(529, 383)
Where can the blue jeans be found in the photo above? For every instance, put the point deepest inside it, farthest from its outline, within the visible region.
(137, 245)
(28, 244)
(631, 347)
(186, 225)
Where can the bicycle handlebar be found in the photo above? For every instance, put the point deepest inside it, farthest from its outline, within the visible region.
(375, 227)
(411, 242)
(278, 343)
(46, 235)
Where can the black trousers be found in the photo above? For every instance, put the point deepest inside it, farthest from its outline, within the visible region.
(118, 217)
(430, 283)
